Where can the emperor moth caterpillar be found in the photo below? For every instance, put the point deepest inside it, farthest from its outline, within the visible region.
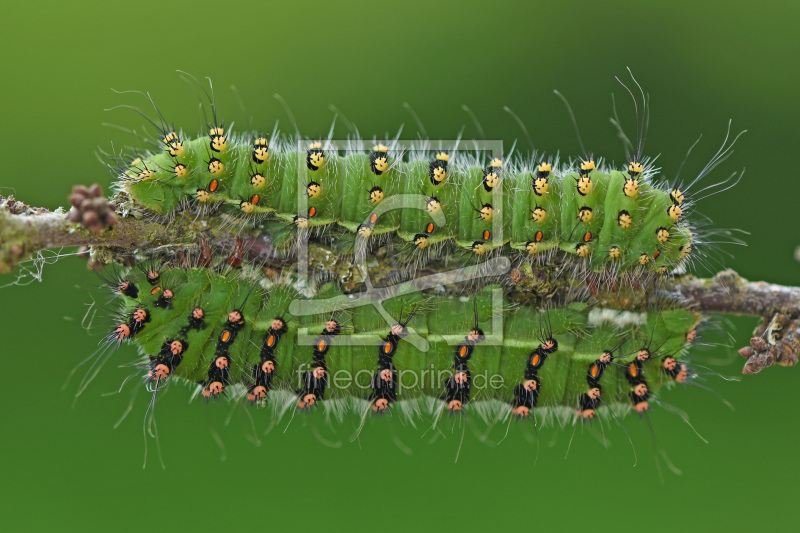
(606, 219)
(233, 334)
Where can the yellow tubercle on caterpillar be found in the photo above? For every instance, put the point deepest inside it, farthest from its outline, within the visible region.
(587, 166)
(364, 230)
(491, 176)
(433, 206)
(260, 150)
(584, 184)
(531, 247)
(174, 146)
(676, 196)
(378, 160)
(438, 168)
(146, 174)
(180, 171)
(376, 195)
(218, 141)
(421, 241)
(662, 234)
(631, 187)
(614, 252)
(674, 212)
(215, 166)
(624, 220)
(634, 169)
(314, 189)
(685, 250)
(582, 249)
(315, 156)
(644, 259)
(541, 185)
(381, 164)
(301, 222)
(485, 213)
(497, 163)
(538, 214)
(544, 169)
(478, 247)
(258, 180)
(585, 214)
(202, 195)
(248, 206)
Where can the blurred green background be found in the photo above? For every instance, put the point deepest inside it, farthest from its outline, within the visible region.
(65, 468)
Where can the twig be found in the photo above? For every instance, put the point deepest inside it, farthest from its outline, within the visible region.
(25, 231)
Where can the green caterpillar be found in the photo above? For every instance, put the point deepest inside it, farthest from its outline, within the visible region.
(234, 335)
(608, 220)
(612, 219)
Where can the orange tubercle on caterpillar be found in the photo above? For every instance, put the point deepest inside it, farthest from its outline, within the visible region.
(259, 392)
(381, 404)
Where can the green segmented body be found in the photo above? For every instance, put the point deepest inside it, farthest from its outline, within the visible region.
(279, 186)
(441, 321)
